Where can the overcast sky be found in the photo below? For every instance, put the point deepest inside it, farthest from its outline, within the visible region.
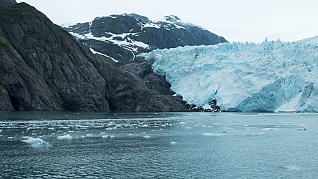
(236, 20)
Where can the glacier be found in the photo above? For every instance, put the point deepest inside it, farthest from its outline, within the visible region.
(272, 76)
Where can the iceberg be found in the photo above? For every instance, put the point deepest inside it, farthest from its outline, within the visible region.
(65, 137)
(272, 76)
(36, 142)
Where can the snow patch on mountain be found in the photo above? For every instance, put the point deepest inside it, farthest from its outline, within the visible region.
(122, 40)
(171, 22)
(99, 53)
(150, 25)
(271, 76)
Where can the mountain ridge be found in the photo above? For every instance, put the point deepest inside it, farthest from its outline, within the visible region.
(136, 34)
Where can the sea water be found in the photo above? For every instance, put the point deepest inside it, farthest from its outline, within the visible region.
(158, 145)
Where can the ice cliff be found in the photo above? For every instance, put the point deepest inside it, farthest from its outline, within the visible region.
(248, 77)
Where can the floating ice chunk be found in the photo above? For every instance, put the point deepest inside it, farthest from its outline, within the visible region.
(173, 143)
(261, 133)
(147, 136)
(212, 134)
(67, 137)
(108, 136)
(105, 136)
(31, 140)
(36, 142)
(293, 168)
(270, 129)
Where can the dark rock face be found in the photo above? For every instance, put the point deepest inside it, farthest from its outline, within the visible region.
(142, 69)
(5, 4)
(122, 37)
(127, 92)
(21, 88)
(114, 24)
(55, 57)
(43, 67)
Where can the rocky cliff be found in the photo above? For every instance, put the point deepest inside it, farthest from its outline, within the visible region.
(43, 67)
(6, 4)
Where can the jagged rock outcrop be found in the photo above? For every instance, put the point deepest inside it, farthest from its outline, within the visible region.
(43, 67)
(5, 4)
(119, 38)
(20, 86)
(142, 69)
(126, 91)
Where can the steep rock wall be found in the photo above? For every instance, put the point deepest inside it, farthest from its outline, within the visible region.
(43, 67)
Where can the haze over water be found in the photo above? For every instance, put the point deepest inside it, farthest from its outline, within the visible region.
(158, 145)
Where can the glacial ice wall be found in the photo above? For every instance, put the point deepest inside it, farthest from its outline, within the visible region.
(271, 76)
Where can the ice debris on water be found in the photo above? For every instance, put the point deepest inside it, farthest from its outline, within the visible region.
(36, 142)
(65, 137)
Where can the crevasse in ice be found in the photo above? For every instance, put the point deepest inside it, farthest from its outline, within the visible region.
(271, 76)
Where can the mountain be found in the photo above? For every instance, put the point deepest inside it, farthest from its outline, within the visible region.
(120, 38)
(273, 76)
(43, 67)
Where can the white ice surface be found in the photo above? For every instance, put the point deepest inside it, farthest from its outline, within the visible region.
(36, 142)
(65, 137)
(271, 76)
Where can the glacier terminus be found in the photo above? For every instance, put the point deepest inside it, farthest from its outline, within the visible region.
(272, 76)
